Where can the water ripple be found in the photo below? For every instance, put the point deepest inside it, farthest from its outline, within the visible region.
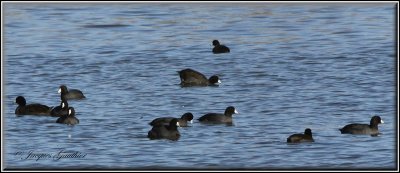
(290, 68)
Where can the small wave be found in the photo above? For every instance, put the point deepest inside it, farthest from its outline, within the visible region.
(105, 25)
(107, 52)
(345, 32)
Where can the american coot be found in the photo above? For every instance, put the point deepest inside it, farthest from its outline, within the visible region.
(218, 48)
(61, 110)
(165, 131)
(70, 94)
(363, 129)
(31, 109)
(69, 119)
(306, 137)
(183, 121)
(190, 77)
(215, 118)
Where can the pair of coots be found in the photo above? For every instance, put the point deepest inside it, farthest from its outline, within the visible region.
(190, 77)
(162, 131)
(65, 113)
(355, 128)
(167, 127)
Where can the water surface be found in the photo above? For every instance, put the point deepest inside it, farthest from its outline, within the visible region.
(291, 67)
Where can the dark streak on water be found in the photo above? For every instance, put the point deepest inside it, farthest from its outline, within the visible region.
(105, 26)
(291, 67)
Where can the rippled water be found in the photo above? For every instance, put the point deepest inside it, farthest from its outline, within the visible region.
(291, 67)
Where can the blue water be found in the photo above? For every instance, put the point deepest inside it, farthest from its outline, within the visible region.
(291, 67)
